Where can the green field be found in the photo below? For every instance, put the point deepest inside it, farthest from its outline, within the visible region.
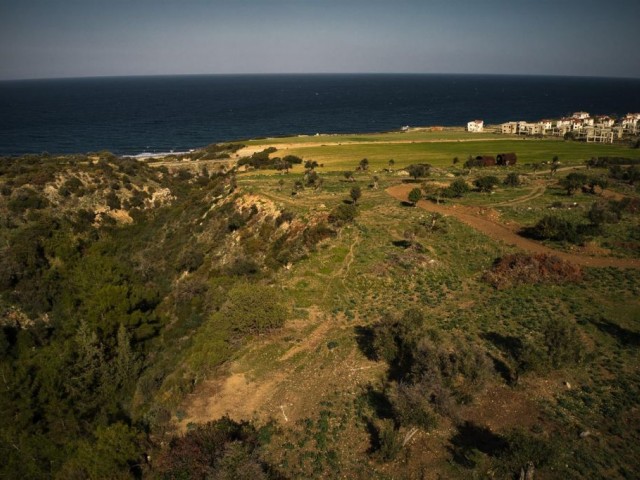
(440, 152)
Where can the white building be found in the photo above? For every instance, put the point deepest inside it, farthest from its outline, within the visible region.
(631, 121)
(580, 115)
(526, 128)
(604, 121)
(546, 124)
(509, 128)
(475, 126)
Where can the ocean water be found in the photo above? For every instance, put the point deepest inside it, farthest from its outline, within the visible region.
(130, 115)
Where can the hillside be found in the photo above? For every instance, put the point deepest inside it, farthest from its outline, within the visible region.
(302, 311)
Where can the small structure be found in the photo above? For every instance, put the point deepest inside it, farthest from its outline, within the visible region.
(580, 115)
(475, 126)
(485, 160)
(526, 128)
(509, 128)
(631, 122)
(506, 159)
(604, 121)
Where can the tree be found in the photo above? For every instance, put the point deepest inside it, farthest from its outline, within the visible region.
(486, 183)
(363, 165)
(599, 182)
(573, 182)
(554, 165)
(375, 182)
(455, 160)
(419, 170)
(349, 176)
(310, 164)
(355, 194)
(392, 162)
(512, 179)
(457, 188)
(415, 195)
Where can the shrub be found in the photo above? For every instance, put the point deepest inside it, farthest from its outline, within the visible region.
(555, 228)
(486, 183)
(522, 268)
(419, 170)
(220, 449)
(113, 202)
(415, 195)
(457, 189)
(563, 343)
(411, 405)
(573, 182)
(254, 308)
(343, 214)
(512, 180)
(26, 198)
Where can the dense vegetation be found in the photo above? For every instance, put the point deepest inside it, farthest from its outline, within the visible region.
(346, 333)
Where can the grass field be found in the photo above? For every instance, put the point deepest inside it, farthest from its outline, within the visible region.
(436, 149)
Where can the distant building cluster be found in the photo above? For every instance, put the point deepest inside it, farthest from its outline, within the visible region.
(581, 125)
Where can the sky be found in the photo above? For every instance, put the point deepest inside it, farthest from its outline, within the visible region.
(84, 38)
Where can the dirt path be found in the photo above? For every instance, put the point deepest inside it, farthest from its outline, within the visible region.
(501, 232)
(535, 193)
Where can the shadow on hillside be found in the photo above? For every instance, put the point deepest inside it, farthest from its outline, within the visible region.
(509, 345)
(471, 438)
(622, 335)
(364, 339)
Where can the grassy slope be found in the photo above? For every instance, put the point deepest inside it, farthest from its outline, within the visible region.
(316, 373)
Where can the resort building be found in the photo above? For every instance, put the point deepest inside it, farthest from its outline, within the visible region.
(631, 122)
(604, 121)
(475, 126)
(526, 128)
(580, 115)
(509, 128)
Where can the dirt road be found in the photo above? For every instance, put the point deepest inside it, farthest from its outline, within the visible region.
(498, 231)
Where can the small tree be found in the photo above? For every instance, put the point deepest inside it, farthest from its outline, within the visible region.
(349, 176)
(415, 195)
(512, 179)
(486, 184)
(457, 188)
(364, 164)
(375, 182)
(355, 194)
(455, 160)
(310, 164)
(573, 182)
(419, 170)
(392, 162)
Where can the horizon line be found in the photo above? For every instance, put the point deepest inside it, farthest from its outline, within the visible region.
(274, 74)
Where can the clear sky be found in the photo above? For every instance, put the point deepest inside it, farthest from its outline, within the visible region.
(77, 38)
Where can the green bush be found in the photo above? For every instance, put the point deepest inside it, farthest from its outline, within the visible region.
(254, 308)
(512, 180)
(456, 190)
(563, 343)
(26, 198)
(343, 214)
(486, 183)
(555, 228)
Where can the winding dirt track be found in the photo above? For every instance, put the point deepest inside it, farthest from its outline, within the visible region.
(501, 232)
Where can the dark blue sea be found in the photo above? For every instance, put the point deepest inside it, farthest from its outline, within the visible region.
(130, 115)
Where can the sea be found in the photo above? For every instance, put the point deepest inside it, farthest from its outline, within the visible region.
(136, 115)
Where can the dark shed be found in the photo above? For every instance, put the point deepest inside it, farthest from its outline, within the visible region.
(507, 159)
